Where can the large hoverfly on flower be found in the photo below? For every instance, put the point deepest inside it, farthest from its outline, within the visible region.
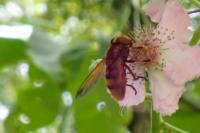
(115, 68)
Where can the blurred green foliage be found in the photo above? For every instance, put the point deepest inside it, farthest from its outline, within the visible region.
(40, 75)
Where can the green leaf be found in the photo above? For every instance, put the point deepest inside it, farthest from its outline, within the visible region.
(195, 37)
(195, 3)
(39, 101)
(45, 53)
(107, 120)
(187, 116)
(125, 16)
(11, 51)
(40, 105)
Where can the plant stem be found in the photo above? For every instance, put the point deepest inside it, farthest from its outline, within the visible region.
(196, 3)
(148, 96)
(170, 127)
(155, 122)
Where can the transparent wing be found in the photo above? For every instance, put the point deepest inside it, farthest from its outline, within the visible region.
(91, 78)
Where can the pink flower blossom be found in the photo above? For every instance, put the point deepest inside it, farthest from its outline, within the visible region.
(155, 9)
(164, 56)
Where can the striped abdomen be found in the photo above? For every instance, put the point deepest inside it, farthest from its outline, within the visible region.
(116, 79)
(115, 71)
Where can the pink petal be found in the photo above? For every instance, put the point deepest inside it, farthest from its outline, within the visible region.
(154, 9)
(165, 93)
(175, 19)
(182, 63)
(130, 97)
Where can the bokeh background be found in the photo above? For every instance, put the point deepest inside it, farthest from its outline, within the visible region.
(46, 48)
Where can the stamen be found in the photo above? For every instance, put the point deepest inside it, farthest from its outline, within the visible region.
(148, 46)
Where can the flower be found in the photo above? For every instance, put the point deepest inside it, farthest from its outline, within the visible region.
(164, 56)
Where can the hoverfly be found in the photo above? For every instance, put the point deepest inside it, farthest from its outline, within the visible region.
(114, 66)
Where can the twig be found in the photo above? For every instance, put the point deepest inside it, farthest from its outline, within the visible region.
(194, 11)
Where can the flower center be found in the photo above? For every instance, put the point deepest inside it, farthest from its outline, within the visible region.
(144, 54)
(148, 45)
(145, 48)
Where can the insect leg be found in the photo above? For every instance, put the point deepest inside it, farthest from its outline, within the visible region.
(145, 61)
(133, 75)
(129, 61)
(132, 88)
